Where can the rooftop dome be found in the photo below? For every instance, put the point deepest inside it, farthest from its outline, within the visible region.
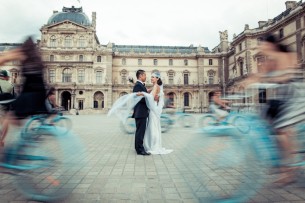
(73, 14)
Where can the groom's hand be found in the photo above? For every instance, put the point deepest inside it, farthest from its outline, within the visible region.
(140, 94)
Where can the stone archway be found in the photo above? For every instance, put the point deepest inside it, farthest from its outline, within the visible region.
(66, 100)
(98, 100)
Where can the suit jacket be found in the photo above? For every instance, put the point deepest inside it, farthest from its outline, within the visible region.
(141, 109)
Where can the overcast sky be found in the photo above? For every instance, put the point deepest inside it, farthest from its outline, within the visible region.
(143, 22)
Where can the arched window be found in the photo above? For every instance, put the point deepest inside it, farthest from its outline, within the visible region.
(67, 75)
(81, 41)
(98, 100)
(81, 58)
(68, 41)
(186, 99)
(99, 59)
(53, 41)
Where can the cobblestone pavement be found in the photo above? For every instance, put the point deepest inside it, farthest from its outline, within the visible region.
(114, 173)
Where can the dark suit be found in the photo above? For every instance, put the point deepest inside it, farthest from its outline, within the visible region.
(140, 114)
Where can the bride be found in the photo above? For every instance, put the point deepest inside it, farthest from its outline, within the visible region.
(124, 105)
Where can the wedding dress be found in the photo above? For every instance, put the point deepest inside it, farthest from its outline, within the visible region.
(152, 139)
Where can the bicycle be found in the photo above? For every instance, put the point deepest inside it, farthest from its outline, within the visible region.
(185, 120)
(244, 161)
(40, 158)
(233, 118)
(58, 121)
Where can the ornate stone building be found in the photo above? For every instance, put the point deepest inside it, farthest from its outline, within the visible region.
(90, 76)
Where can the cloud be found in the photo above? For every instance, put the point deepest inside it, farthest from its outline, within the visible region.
(144, 22)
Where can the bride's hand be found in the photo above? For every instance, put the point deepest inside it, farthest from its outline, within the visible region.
(140, 94)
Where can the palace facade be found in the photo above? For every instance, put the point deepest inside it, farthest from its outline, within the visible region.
(90, 76)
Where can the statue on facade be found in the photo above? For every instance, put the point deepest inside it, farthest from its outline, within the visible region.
(223, 35)
(247, 27)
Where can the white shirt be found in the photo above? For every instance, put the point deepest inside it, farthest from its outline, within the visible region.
(141, 82)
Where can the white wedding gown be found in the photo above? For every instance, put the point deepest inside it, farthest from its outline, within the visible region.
(152, 139)
(153, 136)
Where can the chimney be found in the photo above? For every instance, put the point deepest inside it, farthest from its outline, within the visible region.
(290, 4)
(55, 12)
(94, 19)
(261, 23)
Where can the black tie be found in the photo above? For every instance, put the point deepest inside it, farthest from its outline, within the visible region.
(144, 84)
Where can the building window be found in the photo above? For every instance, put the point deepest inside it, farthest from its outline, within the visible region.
(262, 96)
(155, 62)
(80, 104)
(240, 47)
(51, 76)
(171, 77)
(51, 57)
(210, 62)
(186, 99)
(186, 78)
(81, 76)
(123, 61)
(211, 76)
(170, 62)
(241, 66)
(67, 75)
(281, 33)
(81, 41)
(124, 76)
(186, 62)
(99, 75)
(53, 41)
(139, 62)
(81, 58)
(99, 59)
(68, 42)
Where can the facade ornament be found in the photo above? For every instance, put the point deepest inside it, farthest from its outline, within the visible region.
(223, 35)
(234, 36)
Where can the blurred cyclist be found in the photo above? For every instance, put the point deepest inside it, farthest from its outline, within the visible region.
(32, 98)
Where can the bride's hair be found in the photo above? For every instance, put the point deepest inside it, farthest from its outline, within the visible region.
(159, 82)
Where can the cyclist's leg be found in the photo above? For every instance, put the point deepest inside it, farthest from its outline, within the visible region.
(9, 119)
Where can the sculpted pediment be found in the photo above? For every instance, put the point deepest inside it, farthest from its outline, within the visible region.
(66, 25)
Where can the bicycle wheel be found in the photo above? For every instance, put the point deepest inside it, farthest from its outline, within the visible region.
(207, 120)
(63, 123)
(129, 126)
(32, 127)
(43, 162)
(241, 124)
(186, 120)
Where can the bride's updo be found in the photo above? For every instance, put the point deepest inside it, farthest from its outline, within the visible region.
(157, 75)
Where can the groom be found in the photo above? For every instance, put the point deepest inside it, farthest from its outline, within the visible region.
(140, 114)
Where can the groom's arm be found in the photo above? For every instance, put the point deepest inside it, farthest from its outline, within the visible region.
(138, 88)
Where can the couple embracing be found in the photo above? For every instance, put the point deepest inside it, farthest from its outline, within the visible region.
(147, 107)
